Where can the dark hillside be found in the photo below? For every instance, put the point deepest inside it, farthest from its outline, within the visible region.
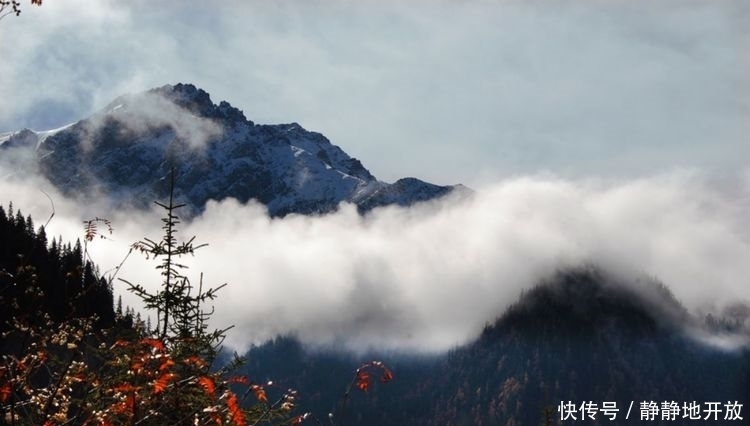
(40, 276)
(584, 336)
(580, 336)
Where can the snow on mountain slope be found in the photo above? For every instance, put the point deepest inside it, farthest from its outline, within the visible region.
(126, 150)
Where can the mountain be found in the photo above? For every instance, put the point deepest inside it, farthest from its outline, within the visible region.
(581, 336)
(125, 151)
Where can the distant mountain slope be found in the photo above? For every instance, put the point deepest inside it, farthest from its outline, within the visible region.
(583, 335)
(126, 150)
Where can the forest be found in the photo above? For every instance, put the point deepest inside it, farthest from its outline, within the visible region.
(73, 356)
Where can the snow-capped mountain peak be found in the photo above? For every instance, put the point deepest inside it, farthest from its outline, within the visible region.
(125, 150)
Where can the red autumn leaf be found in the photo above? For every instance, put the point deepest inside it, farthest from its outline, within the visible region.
(234, 409)
(243, 380)
(130, 403)
(119, 408)
(78, 378)
(208, 385)
(363, 381)
(195, 360)
(387, 376)
(260, 394)
(155, 344)
(124, 388)
(299, 419)
(166, 365)
(127, 406)
(160, 385)
(5, 392)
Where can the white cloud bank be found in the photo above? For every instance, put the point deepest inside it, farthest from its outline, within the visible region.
(429, 277)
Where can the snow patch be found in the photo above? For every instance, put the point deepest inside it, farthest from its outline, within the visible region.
(43, 135)
(5, 136)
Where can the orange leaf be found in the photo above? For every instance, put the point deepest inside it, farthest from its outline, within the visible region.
(260, 394)
(127, 406)
(299, 419)
(244, 380)
(160, 385)
(387, 376)
(155, 344)
(195, 360)
(208, 385)
(363, 381)
(120, 343)
(124, 388)
(166, 365)
(234, 409)
(5, 392)
(78, 378)
(130, 403)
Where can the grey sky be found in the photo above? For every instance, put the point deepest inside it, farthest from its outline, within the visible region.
(449, 91)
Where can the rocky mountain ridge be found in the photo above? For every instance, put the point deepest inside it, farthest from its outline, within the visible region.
(126, 150)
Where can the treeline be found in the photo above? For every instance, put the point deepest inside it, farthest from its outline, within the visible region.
(38, 275)
(579, 337)
(585, 337)
(68, 357)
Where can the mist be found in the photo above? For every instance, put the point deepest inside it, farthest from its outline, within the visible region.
(428, 277)
(153, 111)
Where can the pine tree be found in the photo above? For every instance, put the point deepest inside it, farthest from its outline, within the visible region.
(181, 318)
(118, 309)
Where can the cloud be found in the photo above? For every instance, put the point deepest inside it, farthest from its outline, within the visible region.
(447, 91)
(148, 112)
(429, 277)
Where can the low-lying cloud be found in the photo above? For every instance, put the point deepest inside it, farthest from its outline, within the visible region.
(429, 277)
(154, 111)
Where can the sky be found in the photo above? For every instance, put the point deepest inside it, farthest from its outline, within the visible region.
(448, 91)
(607, 132)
